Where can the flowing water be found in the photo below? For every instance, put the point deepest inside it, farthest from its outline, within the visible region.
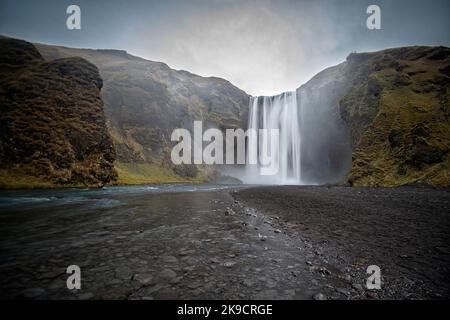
(277, 112)
(144, 242)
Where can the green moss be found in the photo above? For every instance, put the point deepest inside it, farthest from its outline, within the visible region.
(153, 173)
(52, 124)
(398, 114)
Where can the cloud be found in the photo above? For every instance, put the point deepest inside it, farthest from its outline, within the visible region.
(260, 46)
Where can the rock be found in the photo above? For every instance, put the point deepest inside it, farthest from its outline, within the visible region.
(119, 293)
(271, 284)
(33, 293)
(229, 212)
(194, 285)
(319, 296)
(190, 261)
(124, 273)
(277, 231)
(267, 295)
(261, 237)
(357, 286)
(167, 294)
(167, 274)
(371, 295)
(309, 263)
(248, 283)
(53, 274)
(214, 260)
(143, 278)
(185, 252)
(343, 291)
(169, 259)
(229, 264)
(324, 271)
(86, 296)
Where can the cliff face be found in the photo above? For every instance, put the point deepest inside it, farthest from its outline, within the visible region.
(146, 100)
(52, 125)
(389, 110)
(325, 139)
(377, 119)
(398, 114)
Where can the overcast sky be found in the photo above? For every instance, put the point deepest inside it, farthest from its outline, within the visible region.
(264, 47)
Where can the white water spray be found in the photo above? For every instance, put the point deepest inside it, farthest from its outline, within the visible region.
(278, 112)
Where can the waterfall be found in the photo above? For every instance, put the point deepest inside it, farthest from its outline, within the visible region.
(277, 112)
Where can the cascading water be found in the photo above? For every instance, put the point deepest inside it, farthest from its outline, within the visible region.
(278, 112)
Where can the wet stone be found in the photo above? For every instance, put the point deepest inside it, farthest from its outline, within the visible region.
(86, 296)
(229, 264)
(319, 296)
(33, 293)
(167, 274)
(169, 259)
(143, 278)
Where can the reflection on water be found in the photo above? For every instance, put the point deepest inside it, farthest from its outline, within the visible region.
(20, 199)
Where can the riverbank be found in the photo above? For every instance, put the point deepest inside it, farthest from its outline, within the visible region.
(224, 242)
(405, 231)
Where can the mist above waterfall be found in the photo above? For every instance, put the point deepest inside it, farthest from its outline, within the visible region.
(314, 145)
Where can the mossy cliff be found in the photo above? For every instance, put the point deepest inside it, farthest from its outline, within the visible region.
(52, 124)
(146, 100)
(377, 119)
(397, 110)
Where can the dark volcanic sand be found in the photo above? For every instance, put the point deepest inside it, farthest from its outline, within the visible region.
(228, 243)
(405, 231)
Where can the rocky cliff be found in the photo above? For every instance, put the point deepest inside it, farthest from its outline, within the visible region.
(52, 125)
(395, 107)
(377, 119)
(146, 100)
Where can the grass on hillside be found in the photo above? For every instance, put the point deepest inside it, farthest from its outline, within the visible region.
(152, 173)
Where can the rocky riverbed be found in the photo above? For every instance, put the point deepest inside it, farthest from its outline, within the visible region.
(222, 242)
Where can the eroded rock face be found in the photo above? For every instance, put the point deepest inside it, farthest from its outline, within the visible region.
(398, 114)
(53, 128)
(146, 100)
(378, 119)
(389, 110)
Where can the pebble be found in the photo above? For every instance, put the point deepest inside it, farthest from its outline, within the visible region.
(33, 292)
(357, 286)
(167, 274)
(143, 278)
(86, 296)
(248, 283)
(271, 284)
(319, 296)
(229, 264)
(169, 259)
(343, 291)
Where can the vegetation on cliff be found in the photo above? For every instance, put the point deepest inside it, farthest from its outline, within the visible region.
(398, 112)
(52, 124)
(388, 109)
(146, 100)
